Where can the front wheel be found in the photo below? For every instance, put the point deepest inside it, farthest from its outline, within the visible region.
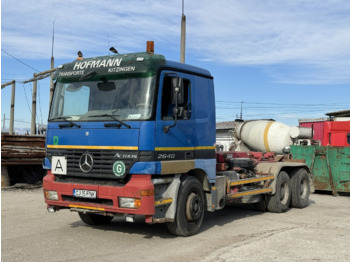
(279, 202)
(300, 188)
(93, 219)
(190, 208)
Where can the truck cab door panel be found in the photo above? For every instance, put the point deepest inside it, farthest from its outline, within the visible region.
(179, 142)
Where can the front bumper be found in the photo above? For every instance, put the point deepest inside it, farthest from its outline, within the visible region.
(107, 196)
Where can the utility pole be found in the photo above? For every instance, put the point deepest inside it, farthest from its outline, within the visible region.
(3, 123)
(241, 115)
(36, 77)
(52, 62)
(183, 35)
(33, 122)
(12, 112)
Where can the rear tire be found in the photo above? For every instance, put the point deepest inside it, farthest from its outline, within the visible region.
(279, 202)
(190, 208)
(93, 219)
(261, 206)
(300, 185)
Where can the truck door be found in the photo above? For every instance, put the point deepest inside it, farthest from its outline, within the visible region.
(179, 142)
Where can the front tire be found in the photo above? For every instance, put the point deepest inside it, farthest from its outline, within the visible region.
(300, 188)
(279, 202)
(93, 219)
(190, 208)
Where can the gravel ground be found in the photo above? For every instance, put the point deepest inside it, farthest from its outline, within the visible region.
(320, 232)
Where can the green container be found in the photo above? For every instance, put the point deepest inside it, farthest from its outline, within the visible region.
(329, 165)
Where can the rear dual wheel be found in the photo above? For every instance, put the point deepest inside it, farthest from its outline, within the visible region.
(280, 201)
(300, 188)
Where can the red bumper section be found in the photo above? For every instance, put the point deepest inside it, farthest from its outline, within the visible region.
(139, 187)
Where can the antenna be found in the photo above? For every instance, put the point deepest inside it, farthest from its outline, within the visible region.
(183, 34)
(108, 44)
(52, 60)
(53, 36)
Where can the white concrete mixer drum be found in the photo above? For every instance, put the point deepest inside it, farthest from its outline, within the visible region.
(264, 135)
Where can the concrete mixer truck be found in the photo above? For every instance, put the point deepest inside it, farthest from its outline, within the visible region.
(134, 134)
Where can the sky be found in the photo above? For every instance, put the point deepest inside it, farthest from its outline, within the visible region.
(284, 60)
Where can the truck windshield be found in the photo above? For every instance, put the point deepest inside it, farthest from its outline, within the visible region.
(127, 99)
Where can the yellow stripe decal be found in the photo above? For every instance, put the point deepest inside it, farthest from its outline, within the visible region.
(184, 148)
(163, 202)
(266, 132)
(93, 147)
(252, 192)
(86, 207)
(247, 181)
(130, 147)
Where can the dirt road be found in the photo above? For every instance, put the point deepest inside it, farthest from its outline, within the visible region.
(320, 232)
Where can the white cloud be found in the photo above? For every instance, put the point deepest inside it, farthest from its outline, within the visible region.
(310, 38)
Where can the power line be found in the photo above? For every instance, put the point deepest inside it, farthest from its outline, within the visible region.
(25, 93)
(19, 121)
(11, 74)
(279, 104)
(19, 60)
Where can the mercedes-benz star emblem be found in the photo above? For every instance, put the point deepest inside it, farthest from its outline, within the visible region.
(86, 163)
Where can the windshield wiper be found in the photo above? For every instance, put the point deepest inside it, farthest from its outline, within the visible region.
(71, 123)
(114, 118)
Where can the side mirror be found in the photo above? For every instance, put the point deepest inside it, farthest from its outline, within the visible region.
(177, 90)
(177, 97)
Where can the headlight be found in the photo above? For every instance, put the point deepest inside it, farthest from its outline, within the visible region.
(51, 195)
(128, 202)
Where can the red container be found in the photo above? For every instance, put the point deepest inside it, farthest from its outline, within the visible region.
(330, 133)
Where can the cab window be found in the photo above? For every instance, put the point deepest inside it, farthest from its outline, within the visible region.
(168, 106)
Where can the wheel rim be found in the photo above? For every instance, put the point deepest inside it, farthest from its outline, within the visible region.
(303, 188)
(284, 193)
(193, 207)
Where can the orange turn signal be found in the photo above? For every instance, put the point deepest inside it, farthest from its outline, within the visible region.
(137, 203)
(147, 192)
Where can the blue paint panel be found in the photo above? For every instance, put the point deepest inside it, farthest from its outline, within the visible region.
(146, 168)
(98, 135)
(147, 136)
(203, 107)
(209, 167)
(46, 164)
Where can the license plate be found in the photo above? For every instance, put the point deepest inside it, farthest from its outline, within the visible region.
(84, 193)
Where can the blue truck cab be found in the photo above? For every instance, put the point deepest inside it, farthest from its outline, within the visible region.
(132, 134)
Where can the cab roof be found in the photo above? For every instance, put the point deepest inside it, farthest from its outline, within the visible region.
(115, 66)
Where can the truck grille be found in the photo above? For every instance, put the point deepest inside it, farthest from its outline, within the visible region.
(103, 161)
